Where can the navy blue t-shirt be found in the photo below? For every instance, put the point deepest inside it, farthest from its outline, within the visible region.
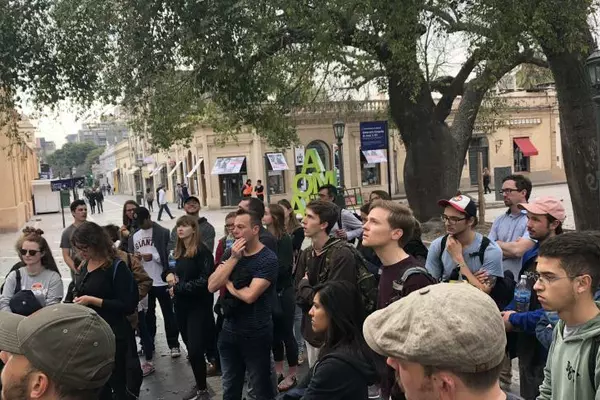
(252, 319)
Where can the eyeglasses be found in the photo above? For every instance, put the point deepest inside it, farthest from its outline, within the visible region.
(451, 220)
(508, 191)
(549, 279)
(30, 252)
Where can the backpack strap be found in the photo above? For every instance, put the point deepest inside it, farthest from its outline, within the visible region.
(592, 361)
(442, 248)
(18, 281)
(398, 285)
(485, 242)
(115, 265)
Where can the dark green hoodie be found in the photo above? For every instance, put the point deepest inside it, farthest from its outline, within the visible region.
(567, 375)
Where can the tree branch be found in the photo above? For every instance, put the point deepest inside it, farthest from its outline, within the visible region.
(456, 88)
(454, 25)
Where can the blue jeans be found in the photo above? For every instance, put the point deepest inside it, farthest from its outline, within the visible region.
(240, 353)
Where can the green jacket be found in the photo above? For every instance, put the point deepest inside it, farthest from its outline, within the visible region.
(567, 375)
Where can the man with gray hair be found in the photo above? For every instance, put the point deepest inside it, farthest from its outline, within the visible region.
(63, 351)
(443, 341)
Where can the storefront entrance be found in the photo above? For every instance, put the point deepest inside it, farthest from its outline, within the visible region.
(230, 187)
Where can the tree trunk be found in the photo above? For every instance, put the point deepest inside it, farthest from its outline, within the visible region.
(578, 138)
(434, 158)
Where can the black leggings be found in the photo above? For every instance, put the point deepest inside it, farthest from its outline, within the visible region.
(283, 329)
(197, 328)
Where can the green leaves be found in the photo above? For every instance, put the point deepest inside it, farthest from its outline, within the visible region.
(73, 155)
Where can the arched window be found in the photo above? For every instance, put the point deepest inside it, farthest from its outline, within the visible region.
(324, 152)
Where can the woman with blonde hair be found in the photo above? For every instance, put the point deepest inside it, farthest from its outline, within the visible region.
(35, 277)
(188, 285)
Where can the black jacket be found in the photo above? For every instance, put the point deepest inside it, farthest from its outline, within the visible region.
(340, 376)
(192, 289)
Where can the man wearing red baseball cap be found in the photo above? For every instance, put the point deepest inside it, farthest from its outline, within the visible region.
(462, 252)
(545, 217)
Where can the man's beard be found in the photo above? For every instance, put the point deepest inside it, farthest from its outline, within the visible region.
(18, 390)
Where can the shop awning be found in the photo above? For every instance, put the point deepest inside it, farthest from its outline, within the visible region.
(375, 156)
(228, 165)
(133, 170)
(527, 148)
(193, 171)
(157, 170)
(277, 161)
(175, 168)
(114, 170)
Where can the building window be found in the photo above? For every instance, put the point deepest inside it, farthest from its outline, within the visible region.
(521, 161)
(371, 173)
(276, 183)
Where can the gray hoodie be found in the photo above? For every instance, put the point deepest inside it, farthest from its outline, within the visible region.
(47, 287)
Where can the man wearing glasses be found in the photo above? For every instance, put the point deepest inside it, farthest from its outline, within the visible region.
(509, 230)
(464, 254)
(545, 217)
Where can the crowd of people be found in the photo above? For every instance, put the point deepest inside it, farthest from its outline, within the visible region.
(373, 311)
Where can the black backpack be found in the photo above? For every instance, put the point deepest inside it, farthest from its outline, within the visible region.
(504, 289)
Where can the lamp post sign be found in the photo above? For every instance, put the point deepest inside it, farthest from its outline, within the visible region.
(374, 135)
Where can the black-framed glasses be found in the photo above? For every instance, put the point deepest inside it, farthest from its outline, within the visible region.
(30, 252)
(508, 191)
(452, 220)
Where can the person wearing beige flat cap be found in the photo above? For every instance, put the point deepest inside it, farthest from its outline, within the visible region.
(444, 341)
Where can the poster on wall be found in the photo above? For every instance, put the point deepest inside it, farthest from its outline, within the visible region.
(278, 162)
(299, 155)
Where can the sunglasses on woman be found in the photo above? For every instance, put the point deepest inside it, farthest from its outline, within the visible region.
(31, 252)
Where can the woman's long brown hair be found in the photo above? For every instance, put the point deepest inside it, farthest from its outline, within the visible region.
(95, 238)
(194, 241)
(278, 217)
(292, 223)
(35, 236)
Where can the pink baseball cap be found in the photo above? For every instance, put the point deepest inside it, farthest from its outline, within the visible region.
(546, 205)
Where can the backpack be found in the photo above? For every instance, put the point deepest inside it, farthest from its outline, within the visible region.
(504, 289)
(365, 281)
(398, 284)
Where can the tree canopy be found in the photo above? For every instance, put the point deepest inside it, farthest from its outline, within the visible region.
(73, 155)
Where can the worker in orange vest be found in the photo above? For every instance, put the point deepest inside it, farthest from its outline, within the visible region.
(247, 189)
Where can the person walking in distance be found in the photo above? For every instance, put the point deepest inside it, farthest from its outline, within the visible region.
(162, 203)
(150, 199)
(149, 245)
(249, 275)
(188, 286)
(259, 189)
(283, 316)
(179, 196)
(99, 200)
(69, 254)
(487, 178)
(41, 362)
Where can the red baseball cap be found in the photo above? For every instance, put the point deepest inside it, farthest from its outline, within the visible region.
(462, 203)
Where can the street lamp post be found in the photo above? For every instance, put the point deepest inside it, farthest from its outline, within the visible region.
(593, 66)
(339, 128)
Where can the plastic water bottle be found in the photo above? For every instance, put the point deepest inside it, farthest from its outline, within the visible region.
(522, 295)
(172, 260)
